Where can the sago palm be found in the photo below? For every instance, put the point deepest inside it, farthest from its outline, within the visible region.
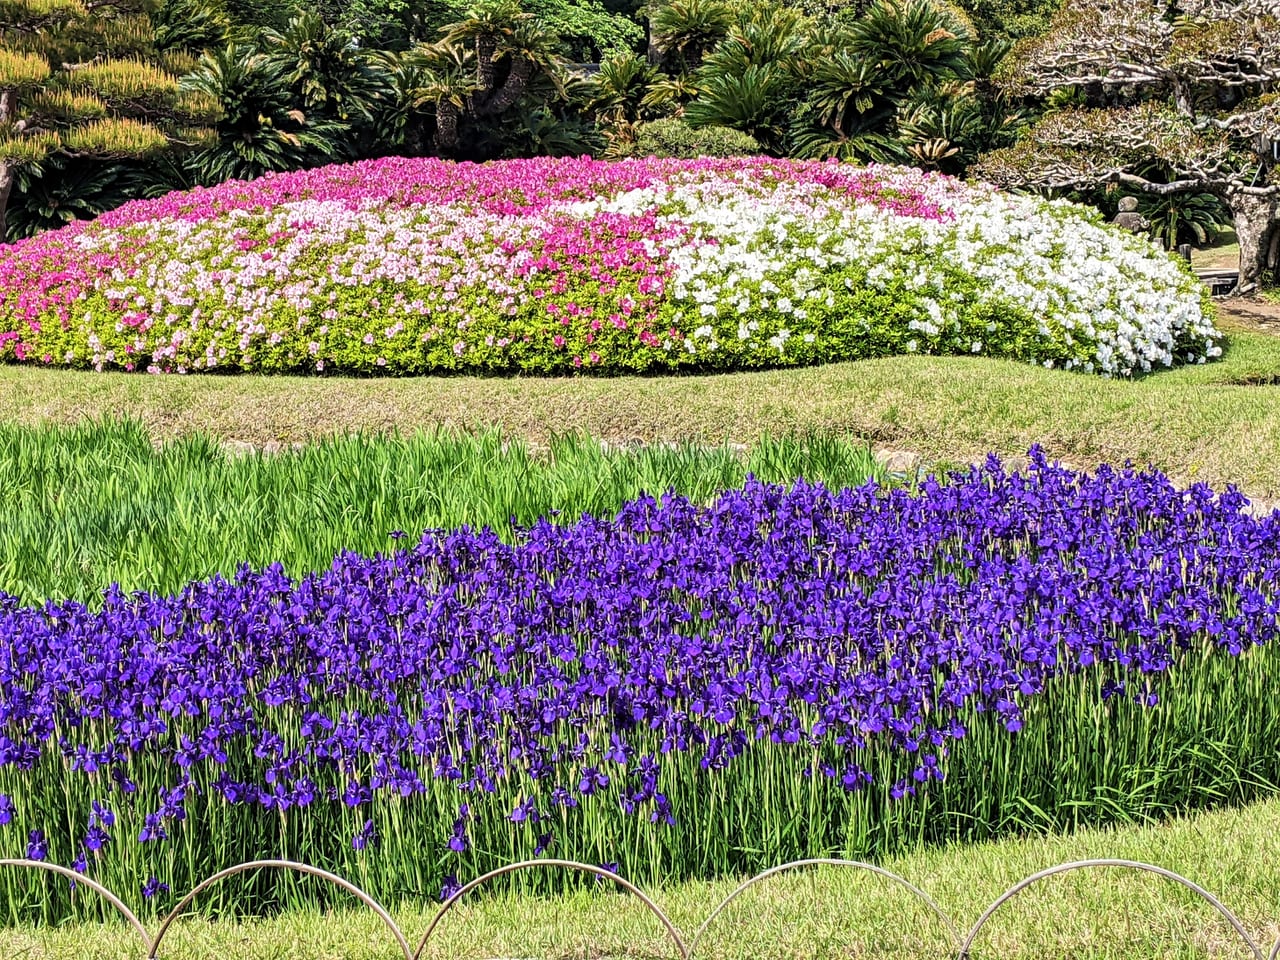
(764, 34)
(260, 130)
(325, 68)
(619, 89)
(540, 132)
(812, 141)
(755, 101)
(913, 41)
(485, 27)
(689, 28)
(847, 90)
(529, 50)
(946, 126)
(440, 77)
(670, 95)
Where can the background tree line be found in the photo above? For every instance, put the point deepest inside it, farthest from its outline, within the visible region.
(103, 101)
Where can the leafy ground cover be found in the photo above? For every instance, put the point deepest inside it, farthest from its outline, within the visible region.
(414, 266)
(1008, 651)
(98, 503)
(1219, 422)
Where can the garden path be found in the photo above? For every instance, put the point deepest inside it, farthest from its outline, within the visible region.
(1254, 312)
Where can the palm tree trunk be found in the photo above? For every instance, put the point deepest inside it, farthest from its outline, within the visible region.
(446, 138)
(517, 80)
(486, 69)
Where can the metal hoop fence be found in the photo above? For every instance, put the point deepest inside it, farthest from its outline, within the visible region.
(682, 948)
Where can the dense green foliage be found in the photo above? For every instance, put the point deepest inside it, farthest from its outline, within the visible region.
(88, 81)
(52, 194)
(671, 137)
(902, 81)
(1014, 19)
(99, 504)
(298, 85)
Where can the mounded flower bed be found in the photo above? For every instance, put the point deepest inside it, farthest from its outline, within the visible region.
(823, 671)
(417, 266)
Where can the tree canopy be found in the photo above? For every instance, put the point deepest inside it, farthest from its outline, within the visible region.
(90, 78)
(1164, 98)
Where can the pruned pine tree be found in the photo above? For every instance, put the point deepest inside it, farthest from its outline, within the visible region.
(1163, 97)
(84, 78)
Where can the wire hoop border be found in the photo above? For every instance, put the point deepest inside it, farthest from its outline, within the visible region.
(961, 947)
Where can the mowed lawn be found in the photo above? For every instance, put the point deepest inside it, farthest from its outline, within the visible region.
(825, 912)
(1219, 423)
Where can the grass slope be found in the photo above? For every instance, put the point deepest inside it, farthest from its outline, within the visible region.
(826, 912)
(1219, 422)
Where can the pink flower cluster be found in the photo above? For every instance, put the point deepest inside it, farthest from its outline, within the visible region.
(547, 265)
(520, 187)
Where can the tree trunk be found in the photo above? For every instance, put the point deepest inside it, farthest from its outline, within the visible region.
(1257, 219)
(652, 53)
(486, 69)
(446, 138)
(517, 80)
(6, 188)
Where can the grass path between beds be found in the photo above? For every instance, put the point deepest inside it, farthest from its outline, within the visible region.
(821, 912)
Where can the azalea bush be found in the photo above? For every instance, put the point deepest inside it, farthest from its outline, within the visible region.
(550, 266)
(1004, 652)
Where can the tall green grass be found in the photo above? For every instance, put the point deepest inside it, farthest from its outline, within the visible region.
(89, 505)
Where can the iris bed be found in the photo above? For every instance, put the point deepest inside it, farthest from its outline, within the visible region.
(681, 690)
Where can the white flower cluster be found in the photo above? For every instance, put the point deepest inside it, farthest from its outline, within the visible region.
(1084, 282)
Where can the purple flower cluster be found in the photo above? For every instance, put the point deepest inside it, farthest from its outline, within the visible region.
(575, 665)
